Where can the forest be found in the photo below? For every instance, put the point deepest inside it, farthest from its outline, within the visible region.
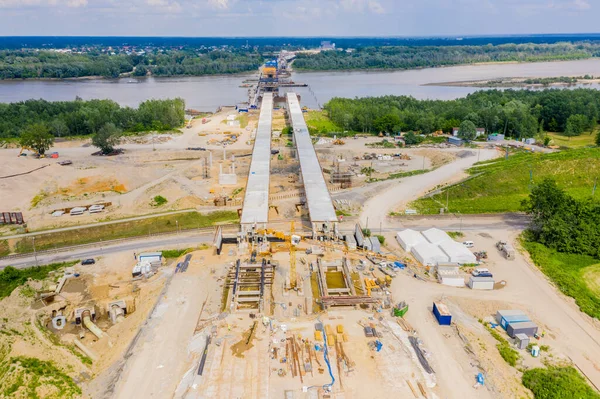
(517, 113)
(78, 118)
(410, 57)
(36, 64)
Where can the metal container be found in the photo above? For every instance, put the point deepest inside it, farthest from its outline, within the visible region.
(481, 283)
(442, 314)
(528, 328)
(505, 317)
(522, 340)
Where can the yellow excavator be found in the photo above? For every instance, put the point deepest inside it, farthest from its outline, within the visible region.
(293, 240)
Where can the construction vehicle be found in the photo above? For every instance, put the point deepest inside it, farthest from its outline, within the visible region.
(370, 285)
(338, 142)
(35, 153)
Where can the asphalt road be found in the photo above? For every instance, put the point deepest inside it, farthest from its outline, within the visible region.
(143, 244)
(184, 240)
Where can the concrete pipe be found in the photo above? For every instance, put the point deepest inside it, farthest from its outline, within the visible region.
(116, 314)
(87, 321)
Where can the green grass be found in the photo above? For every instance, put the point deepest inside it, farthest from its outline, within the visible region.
(26, 377)
(4, 248)
(340, 212)
(135, 228)
(11, 278)
(557, 383)
(175, 253)
(318, 122)
(508, 353)
(243, 120)
(456, 234)
(500, 185)
(567, 272)
(583, 140)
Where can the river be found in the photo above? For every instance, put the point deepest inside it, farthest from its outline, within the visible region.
(207, 93)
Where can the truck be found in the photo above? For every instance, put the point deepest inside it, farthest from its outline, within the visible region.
(506, 249)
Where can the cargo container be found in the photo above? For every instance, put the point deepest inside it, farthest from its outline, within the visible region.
(522, 341)
(505, 317)
(528, 328)
(77, 211)
(481, 283)
(442, 314)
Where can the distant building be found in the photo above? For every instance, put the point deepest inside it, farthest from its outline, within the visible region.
(495, 137)
(455, 140)
(327, 45)
(480, 131)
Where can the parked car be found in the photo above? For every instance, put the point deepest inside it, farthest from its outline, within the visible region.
(469, 244)
(88, 262)
(481, 272)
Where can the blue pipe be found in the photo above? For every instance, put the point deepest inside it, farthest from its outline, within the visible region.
(326, 356)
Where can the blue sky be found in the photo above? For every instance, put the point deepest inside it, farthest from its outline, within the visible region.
(296, 17)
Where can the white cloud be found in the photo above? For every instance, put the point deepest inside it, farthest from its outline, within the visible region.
(376, 7)
(220, 4)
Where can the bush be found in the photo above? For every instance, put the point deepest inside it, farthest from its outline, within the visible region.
(557, 383)
(11, 278)
(381, 239)
(366, 232)
(159, 200)
(175, 253)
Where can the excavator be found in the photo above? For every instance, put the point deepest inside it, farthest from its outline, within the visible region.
(35, 153)
(293, 240)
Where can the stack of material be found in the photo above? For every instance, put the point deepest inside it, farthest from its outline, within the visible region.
(330, 335)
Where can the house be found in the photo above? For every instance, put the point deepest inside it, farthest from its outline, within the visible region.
(480, 131)
(495, 137)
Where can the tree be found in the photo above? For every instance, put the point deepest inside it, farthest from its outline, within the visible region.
(467, 130)
(367, 171)
(410, 138)
(58, 128)
(107, 137)
(576, 124)
(37, 137)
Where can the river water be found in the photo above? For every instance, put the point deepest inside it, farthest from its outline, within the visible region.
(209, 92)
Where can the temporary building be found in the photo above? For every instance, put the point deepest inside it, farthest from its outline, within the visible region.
(77, 211)
(457, 252)
(449, 274)
(481, 283)
(409, 238)
(150, 257)
(429, 254)
(505, 317)
(375, 245)
(436, 236)
(522, 340)
(528, 328)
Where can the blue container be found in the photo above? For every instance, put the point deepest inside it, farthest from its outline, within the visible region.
(442, 314)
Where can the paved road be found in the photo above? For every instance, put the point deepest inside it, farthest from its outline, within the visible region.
(143, 244)
(77, 227)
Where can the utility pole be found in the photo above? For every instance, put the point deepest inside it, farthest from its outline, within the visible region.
(447, 197)
(177, 226)
(594, 189)
(423, 164)
(34, 252)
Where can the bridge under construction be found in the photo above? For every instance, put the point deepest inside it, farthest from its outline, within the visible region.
(255, 211)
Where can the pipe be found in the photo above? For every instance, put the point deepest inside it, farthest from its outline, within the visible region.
(87, 321)
(326, 357)
(85, 350)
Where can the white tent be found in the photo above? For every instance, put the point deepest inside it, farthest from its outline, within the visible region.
(436, 236)
(409, 238)
(429, 254)
(457, 252)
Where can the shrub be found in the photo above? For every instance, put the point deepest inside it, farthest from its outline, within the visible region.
(159, 200)
(557, 383)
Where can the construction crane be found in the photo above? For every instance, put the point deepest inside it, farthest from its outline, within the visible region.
(293, 277)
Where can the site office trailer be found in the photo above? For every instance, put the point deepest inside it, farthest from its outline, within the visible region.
(442, 314)
(505, 317)
(528, 328)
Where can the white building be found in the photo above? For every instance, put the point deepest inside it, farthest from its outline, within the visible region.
(436, 236)
(409, 238)
(457, 252)
(429, 254)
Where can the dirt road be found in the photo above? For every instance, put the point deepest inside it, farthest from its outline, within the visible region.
(378, 207)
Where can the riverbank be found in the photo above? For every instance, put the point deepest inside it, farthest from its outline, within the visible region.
(522, 82)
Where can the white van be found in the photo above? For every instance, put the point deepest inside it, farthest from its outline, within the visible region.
(481, 272)
(469, 244)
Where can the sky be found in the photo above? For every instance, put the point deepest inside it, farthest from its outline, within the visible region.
(296, 17)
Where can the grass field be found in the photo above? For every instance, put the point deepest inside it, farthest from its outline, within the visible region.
(11, 278)
(500, 185)
(319, 123)
(4, 250)
(136, 228)
(570, 273)
(586, 139)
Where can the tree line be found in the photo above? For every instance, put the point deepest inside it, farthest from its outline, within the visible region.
(410, 57)
(562, 222)
(80, 118)
(31, 64)
(516, 113)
